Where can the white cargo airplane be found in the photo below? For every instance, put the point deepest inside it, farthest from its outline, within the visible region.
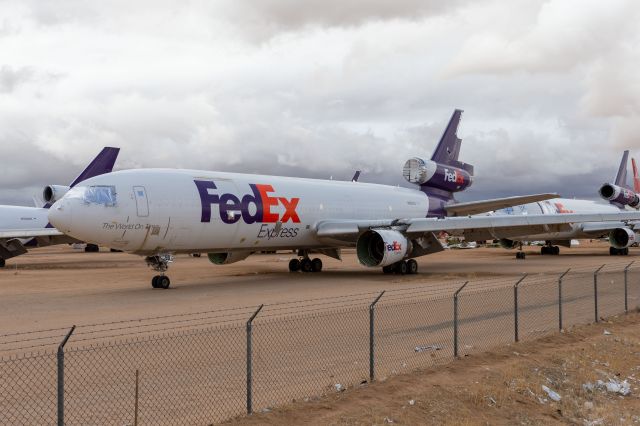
(23, 227)
(621, 234)
(159, 212)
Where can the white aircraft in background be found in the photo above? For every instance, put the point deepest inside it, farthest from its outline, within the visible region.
(160, 212)
(621, 234)
(23, 227)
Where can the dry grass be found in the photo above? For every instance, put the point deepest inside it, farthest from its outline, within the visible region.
(501, 387)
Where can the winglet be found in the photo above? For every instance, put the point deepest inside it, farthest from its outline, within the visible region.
(103, 163)
(621, 177)
(355, 176)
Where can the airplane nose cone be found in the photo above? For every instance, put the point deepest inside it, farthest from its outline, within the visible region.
(60, 216)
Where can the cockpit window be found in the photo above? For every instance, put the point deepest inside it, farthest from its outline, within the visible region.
(99, 194)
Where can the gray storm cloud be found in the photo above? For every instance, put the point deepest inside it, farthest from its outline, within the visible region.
(549, 88)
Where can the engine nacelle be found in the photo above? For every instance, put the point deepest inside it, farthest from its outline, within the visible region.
(53, 193)
(621, 238)
(435, 175)
(382, 247)
(227, 257)
(620, 195)
(507, 244)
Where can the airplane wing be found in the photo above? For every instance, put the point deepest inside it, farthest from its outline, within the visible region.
(476, 227)
(12, 242)
(30, 233)
(483, 206)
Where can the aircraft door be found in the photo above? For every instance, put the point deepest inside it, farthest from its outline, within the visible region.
(142, 204)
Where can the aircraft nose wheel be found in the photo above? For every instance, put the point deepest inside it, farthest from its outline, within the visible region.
(521, 255)
(161, 281)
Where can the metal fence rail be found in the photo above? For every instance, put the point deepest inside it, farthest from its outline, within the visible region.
(211, 366)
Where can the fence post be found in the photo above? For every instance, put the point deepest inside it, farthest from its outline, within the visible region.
(455, 319)
(135, 406)
(626, 294)
(250, 361)
(372, 336)
(560, 298)
(515, 307)
(595, 292)
(61, 376)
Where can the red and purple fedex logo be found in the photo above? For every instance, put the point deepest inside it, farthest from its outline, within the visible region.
(260, 197)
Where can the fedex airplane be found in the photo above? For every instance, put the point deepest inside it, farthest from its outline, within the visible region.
(157, 213)
(621, 235)
(22, 227)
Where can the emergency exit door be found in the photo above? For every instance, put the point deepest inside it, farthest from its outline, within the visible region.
(142, 204)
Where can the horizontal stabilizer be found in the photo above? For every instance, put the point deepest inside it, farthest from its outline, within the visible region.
(484, 206)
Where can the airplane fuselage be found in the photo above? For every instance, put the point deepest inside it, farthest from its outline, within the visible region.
(165, 210)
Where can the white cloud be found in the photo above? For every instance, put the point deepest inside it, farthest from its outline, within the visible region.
(549, 88)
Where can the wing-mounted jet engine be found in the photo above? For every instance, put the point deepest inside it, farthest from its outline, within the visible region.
(53, 193)
(618, 195)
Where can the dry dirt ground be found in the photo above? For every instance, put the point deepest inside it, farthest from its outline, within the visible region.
(500, 387)
(59, 286)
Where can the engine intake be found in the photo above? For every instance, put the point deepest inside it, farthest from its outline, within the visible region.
(381, 247)
(620, 195)
(227, 257)
(53, 193)
(621, 238)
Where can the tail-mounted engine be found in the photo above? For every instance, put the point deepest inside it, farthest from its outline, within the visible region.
(621, 238)
(619, 195)
(436, 175)
(227, 257)
(382, 247)
(53, 193)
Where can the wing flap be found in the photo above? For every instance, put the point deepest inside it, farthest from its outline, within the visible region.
(483, 206)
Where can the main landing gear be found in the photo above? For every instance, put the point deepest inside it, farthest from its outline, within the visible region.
(618, 252)
(160, 263)
(305, 265)
(552, 250)
(401, 268)
(2, 262)
(91, 248)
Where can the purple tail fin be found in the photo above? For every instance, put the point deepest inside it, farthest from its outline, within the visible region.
(448, 149)
(103, 163)
(621, 177)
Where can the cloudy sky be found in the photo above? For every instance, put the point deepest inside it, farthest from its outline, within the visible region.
(550, 89)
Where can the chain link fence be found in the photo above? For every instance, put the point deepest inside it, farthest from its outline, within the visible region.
(207, 367)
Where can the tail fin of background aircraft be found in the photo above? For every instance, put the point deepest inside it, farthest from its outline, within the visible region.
(448, 149)
(621, 177)
(636, 179)
(356, 176)
(103, 163)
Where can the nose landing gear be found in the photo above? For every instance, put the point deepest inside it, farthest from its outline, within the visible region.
(160, 263)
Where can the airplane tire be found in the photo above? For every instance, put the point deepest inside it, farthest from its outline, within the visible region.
(613, 251)
(625, 251)
(91, 248)
(543, 250)
(2, 263)
(520, 255)
(555, 250)
(154, 281)
(412, 266)
(316, 265)
(163, 282)
(401, 267)
(306, 265)
(294, 265)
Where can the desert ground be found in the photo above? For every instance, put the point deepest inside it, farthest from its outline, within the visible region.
(59, 286)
